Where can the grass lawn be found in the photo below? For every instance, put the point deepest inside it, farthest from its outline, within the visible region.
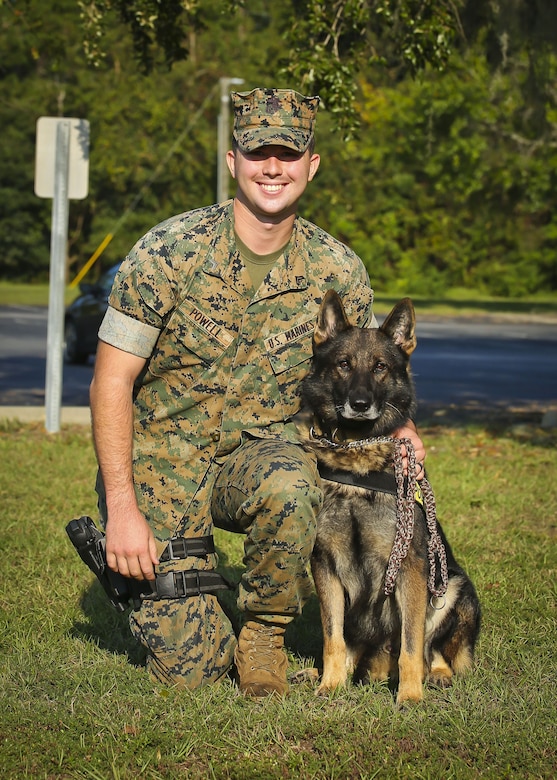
(75, 701)
(456, 303)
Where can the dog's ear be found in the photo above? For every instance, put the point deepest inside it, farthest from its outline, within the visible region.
(400, 326)
(331, 320)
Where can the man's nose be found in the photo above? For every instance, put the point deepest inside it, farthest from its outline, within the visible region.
(272, 166)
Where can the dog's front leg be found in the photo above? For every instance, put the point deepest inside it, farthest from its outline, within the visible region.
(335, 658)
(411, 595)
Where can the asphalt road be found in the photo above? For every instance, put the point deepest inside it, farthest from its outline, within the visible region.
(458, 362)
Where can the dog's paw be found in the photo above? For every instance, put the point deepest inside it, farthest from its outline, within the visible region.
(325, 690)
(330, 684)
(440, 679)
(409, 693)
(310, 675)
(440, 674)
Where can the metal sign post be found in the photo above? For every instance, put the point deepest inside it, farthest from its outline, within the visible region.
(61, 173)
(223, 136)
(58, 241)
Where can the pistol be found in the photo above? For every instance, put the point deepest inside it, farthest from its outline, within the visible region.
(90, 543)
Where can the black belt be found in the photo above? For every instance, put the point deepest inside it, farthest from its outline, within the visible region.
(180, 584)
(179, 547)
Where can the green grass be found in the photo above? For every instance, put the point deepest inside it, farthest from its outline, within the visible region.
(456, 302)
(20, 294)
(75, 701)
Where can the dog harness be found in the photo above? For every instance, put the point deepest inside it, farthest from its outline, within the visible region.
(379, 481)
(406, 492)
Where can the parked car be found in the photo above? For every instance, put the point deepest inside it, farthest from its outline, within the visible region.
(84, 316)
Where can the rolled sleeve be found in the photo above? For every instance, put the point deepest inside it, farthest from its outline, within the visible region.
(121, 331)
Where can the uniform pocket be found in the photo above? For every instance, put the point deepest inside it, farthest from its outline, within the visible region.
(289, 354)
(190, 343)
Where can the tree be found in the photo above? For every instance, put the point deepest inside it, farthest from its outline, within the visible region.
(439, 191)
(451, 181)
(327, 43)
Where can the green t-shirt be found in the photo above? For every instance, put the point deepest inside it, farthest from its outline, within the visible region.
(258, 265)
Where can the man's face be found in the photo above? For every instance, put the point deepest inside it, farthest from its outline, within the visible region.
(271, 179)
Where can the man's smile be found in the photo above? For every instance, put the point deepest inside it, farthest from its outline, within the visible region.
(272, 187)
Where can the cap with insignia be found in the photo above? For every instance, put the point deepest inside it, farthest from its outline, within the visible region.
(273, 117)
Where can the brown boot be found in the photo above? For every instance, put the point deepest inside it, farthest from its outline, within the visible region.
(261, 659)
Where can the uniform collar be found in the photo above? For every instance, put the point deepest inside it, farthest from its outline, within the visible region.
(223, 260)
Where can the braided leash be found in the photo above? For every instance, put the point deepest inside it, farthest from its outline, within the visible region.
(405, 499)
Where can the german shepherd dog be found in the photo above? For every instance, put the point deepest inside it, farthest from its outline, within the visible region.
(359, 389)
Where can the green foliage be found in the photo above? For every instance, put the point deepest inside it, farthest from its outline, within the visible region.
(326, 42)
(450, 181)
(443, 190)
(75, 701)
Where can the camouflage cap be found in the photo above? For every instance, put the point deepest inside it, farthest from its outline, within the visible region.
(266, 117)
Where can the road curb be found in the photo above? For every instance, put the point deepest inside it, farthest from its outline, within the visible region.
(69, 415)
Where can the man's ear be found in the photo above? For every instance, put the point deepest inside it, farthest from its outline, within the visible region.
(314, 161)
(231, 162)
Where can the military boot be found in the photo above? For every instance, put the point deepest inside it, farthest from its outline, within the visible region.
(261, 659)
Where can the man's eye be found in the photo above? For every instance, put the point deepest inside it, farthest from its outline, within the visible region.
(288, 155)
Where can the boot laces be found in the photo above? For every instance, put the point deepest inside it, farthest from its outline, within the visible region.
(264, 649)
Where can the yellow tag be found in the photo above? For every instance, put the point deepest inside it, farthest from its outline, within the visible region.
(418, 495)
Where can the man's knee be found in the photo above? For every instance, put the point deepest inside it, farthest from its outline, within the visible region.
(271, 479)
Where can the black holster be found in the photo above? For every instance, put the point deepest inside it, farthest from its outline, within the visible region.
(122, 591)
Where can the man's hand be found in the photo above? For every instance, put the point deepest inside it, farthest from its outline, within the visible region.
(409, 431)
(130, 545)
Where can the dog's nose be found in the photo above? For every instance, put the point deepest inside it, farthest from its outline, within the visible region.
(360, 404)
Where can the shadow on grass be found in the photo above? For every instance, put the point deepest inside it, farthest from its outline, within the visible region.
(109, 629)
(535, 424)
(106, 627)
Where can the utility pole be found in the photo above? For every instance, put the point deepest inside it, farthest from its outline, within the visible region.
(223, 133)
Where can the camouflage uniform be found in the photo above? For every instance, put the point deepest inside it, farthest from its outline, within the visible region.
(212, 437)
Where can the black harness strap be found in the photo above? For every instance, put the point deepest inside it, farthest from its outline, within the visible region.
(179, 547)
(381, 481)
(179, 584)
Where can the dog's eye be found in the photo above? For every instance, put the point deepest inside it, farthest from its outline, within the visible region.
(379, 368)
(344, 364)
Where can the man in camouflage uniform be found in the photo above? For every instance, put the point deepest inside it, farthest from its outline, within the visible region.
(201, 353)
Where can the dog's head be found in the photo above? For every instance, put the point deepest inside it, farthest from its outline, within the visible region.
(360, 381)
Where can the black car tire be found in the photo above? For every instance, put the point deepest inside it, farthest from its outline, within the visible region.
(72, 353)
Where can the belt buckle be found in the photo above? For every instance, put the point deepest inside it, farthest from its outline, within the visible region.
(180, 552)
(189, 590)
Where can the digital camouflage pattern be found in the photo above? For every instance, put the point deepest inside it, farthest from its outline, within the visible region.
(263, 490)
(190, 641)
(226, 367)
(264, 117)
